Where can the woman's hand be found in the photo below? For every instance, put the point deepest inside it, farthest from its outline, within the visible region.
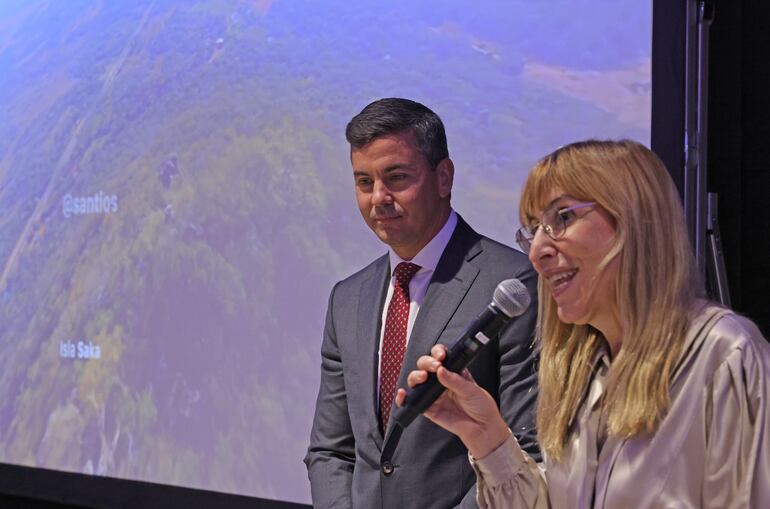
(464, 409)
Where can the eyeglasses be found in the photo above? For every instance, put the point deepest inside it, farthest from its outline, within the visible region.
(554, 223)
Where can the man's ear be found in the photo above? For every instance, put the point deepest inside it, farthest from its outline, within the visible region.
(445, 170)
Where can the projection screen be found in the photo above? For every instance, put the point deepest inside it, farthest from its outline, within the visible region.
(176, 202)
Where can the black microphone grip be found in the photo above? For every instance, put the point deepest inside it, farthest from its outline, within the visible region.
(484, 329)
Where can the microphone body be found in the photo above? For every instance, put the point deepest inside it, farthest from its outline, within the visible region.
(511, 299)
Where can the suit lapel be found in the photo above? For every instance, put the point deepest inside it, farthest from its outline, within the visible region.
(369, 316)
(450, 283)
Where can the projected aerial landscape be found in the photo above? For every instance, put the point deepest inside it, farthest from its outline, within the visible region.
(176, 202)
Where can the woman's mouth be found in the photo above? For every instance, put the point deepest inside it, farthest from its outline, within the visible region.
(561, 281)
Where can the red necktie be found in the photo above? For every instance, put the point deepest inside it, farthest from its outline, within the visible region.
(394, 338)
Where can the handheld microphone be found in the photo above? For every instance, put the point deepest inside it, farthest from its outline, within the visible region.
(510, 300)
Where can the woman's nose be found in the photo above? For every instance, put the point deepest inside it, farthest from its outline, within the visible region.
(541, 247)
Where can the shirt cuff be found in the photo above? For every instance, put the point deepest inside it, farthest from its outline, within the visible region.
(501, 465)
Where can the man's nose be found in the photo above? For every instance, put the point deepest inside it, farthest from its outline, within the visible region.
(381, 194)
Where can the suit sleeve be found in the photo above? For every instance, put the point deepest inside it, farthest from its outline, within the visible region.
(331, 454)
(518, 378)
(518, 371)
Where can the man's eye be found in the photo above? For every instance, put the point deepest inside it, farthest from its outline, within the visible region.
(363, 182)
(397, 176)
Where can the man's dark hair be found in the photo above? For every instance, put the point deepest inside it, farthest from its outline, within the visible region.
(397, 116)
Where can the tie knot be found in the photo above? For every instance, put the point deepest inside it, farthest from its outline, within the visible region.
(404, 273)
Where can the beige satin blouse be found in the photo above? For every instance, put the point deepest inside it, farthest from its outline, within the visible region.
(712, 450)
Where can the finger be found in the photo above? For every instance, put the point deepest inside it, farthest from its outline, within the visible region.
(416, 377)
(456, 382)
(438, 352)
(428, 363)
(400, 396)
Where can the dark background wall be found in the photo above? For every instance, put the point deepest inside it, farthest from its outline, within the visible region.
(739, 170)
(739, 151)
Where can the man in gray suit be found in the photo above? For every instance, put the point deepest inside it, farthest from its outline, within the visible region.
(437, 276)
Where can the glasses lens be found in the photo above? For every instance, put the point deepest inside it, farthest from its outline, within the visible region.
(553, 223)
(524, 239)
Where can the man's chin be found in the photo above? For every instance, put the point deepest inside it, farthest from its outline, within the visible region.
(386, 236)
(389, 236)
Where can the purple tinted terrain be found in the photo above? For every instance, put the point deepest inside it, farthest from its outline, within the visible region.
(176, 202)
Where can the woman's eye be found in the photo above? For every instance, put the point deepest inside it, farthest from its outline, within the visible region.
(566, 215)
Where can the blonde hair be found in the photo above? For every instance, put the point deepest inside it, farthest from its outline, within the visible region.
(655, 287)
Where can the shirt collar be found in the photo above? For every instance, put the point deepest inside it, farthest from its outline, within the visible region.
(602, 357)
(429, 256)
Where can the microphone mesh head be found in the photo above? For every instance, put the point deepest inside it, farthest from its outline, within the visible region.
(511, 297)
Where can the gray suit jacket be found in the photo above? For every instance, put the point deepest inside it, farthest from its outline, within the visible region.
(350, 463)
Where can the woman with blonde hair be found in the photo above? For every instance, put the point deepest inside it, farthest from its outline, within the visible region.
(649, 395)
